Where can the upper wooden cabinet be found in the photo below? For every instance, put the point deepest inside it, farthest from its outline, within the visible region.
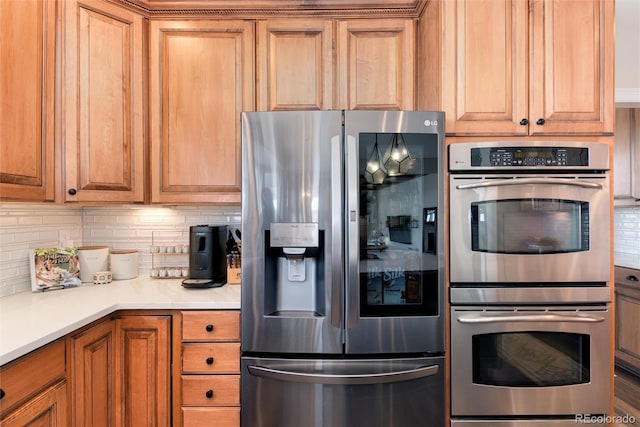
(27, 95)
(512, 67)
(375, 64)
(201, 78)
(626, 156)
(295, 64)
(103, 104)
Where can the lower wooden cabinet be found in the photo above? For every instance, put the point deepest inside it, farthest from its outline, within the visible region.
(47, 409)
(210, 370)
(628, 318)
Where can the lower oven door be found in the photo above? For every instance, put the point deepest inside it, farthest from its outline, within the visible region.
(530, 361)
(279, 392)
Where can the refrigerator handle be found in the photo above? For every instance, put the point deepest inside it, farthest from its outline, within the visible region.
(343, 379)
(352, 282)
(336, 233)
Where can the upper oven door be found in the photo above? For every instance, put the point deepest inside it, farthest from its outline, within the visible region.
(530, 361)
(529, 228)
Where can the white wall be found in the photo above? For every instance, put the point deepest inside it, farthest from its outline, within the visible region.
(627, 237)
(627, 51)
(23, 227)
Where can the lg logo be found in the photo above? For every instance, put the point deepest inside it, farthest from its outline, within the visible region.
(431, 123)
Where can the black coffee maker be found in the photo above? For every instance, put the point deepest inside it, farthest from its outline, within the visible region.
(207, 256)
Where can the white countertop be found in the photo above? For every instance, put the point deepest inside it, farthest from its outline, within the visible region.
(30, 320)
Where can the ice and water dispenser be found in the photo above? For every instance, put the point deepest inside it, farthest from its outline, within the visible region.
(294, 270)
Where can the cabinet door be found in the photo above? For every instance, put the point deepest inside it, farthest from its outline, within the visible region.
(48, 409)
(93, 376)
(295, 65)
(201, 78)
(572, 60)
(143, 371)
(627, 337)
(626, 156)
(375, 64)
(103, 103)
(485, 67)
(27, 92)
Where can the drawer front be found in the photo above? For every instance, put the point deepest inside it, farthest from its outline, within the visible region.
(211, 358)
(202, 417)
(211, 325)
(211, 390)
(30, 374)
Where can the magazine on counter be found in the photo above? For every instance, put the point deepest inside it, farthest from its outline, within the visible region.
(54, 268)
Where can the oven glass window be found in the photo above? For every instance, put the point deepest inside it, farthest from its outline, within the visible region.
(530, 226)
(531, 359)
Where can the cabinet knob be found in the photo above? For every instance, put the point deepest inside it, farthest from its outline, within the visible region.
(209, 394)
(72, 191)
(209, 360)
(540, 122)
(524, 122)
(632, 278)
(2, 393)
(209, 328)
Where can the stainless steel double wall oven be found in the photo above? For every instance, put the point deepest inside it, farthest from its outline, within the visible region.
(529, 248)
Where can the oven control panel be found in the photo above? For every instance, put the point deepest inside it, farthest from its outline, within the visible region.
(529, 156)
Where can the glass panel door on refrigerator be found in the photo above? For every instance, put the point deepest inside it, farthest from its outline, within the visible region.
(395, 245)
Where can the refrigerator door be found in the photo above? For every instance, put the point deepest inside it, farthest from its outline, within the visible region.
(292, 269)
(342, 393)
(395, 246)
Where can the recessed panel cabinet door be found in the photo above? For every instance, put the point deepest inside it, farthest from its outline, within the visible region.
(375, 64)
(295, 65)
(103, 103)
(27, 91)
(201, 79)
(572, 60)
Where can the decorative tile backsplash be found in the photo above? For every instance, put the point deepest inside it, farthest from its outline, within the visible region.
(627, 237)
(23, 227)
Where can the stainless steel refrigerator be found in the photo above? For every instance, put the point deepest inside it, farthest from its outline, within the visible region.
(342, 269)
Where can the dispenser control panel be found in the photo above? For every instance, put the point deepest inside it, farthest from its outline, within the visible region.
(294, 235)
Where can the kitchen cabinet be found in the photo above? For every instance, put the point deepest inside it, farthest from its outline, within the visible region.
(27, 107)
(143, 370)
(295, 64)
(33, 389)
(103, 108)
(627, 339)
(201, 78)
(626, 157)
(210, 372)
(537, 67)
(375, 63)
(92, 376)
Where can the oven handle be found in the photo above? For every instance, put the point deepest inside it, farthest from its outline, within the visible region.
(510, 317)
(536, 181)
(344, 379)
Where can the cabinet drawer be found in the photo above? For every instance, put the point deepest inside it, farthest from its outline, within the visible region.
(211, 358)
(30, 374)
(211, 325)
(210, 390)
(202, 417)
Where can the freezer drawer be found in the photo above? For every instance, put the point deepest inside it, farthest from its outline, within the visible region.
(278, 392)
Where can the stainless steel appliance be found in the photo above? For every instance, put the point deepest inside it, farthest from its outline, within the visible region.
(529, 214)
(530, 361)
(529, 265)
(342, 308)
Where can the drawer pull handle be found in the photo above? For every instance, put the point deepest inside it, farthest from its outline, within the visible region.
(209, 394)
(632, 278)
(209, 328)
(209, 360)
(2, 393)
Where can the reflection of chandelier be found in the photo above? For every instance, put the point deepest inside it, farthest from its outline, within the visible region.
(375, 171)
(398, 160)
